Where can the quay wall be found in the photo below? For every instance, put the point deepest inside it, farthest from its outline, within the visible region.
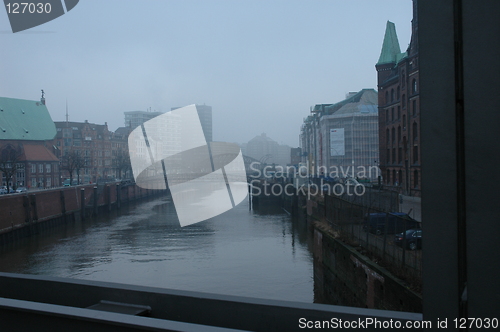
(21, 213)
(343, 274)
(346, 277)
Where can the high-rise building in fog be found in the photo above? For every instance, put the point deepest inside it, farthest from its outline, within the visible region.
(205, 115)
(134, 119)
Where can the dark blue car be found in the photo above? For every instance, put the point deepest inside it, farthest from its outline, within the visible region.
(389, 223)
(411, 239)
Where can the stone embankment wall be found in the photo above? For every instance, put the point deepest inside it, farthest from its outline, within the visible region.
(23, 213)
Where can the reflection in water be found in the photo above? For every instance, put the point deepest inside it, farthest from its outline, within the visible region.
(243, 252)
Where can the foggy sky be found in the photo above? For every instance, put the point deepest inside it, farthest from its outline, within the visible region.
(259, 64)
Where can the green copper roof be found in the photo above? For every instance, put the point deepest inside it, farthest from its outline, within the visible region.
(391, 52)
(25, 120)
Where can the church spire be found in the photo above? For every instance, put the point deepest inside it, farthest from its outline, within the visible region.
(391, 51)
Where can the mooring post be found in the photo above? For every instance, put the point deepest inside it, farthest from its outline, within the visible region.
(95, 201)
(82, 204)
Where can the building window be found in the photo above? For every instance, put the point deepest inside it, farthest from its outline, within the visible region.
(398, 94)
(414, 85)
(47, 168)
(415, 154)
(415, 131)
(48, 182)
(387, 135)
(392, 95)
(394, 181)
(388, 157)
(400, 177)
(400, 155)
(40, 168)
(404, 101)
(33, 182)
(33, 168)
(386, 115)
(403, 81)
(415, 179)
(393, 135)
(404, 122)
(399, 134)
(392, 114)
(387, 97)
(414, 107)
(388, 180)
(399, 112)
(393, 155)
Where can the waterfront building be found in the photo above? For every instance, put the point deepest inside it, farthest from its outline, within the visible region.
(342, 138)
(26, 150)
(119, 153)
(92, 142)
(295, 156)
(134, 119)
(399, 111)
(268, 151)
(205, 116)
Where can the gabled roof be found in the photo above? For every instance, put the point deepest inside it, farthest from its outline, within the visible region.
(38, 152)
(22, 119)
(391, 52)
(365, 101)
(124, 131)
(100, 129)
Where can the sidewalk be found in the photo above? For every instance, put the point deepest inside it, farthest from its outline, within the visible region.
(412, 205)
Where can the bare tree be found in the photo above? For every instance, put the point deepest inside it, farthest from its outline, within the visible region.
(122, 162)
(10, 163)
(72, 162)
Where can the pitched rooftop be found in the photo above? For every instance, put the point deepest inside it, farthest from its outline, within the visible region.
(391, 52)
(22, 119)
(364, 101)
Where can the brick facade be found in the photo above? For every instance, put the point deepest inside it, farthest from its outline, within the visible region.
(399, 114)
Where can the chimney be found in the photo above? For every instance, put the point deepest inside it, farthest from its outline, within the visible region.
(43, 98)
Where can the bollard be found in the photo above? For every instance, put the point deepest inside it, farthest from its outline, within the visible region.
(82, 204)
(95, 201)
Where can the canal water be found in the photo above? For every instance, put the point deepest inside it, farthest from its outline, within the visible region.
(257, 253)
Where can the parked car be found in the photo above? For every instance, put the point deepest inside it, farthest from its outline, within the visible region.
(412, 237)
(21, 190)
(3, 191)
(396, 222)
(67, 184)
(351, 182)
